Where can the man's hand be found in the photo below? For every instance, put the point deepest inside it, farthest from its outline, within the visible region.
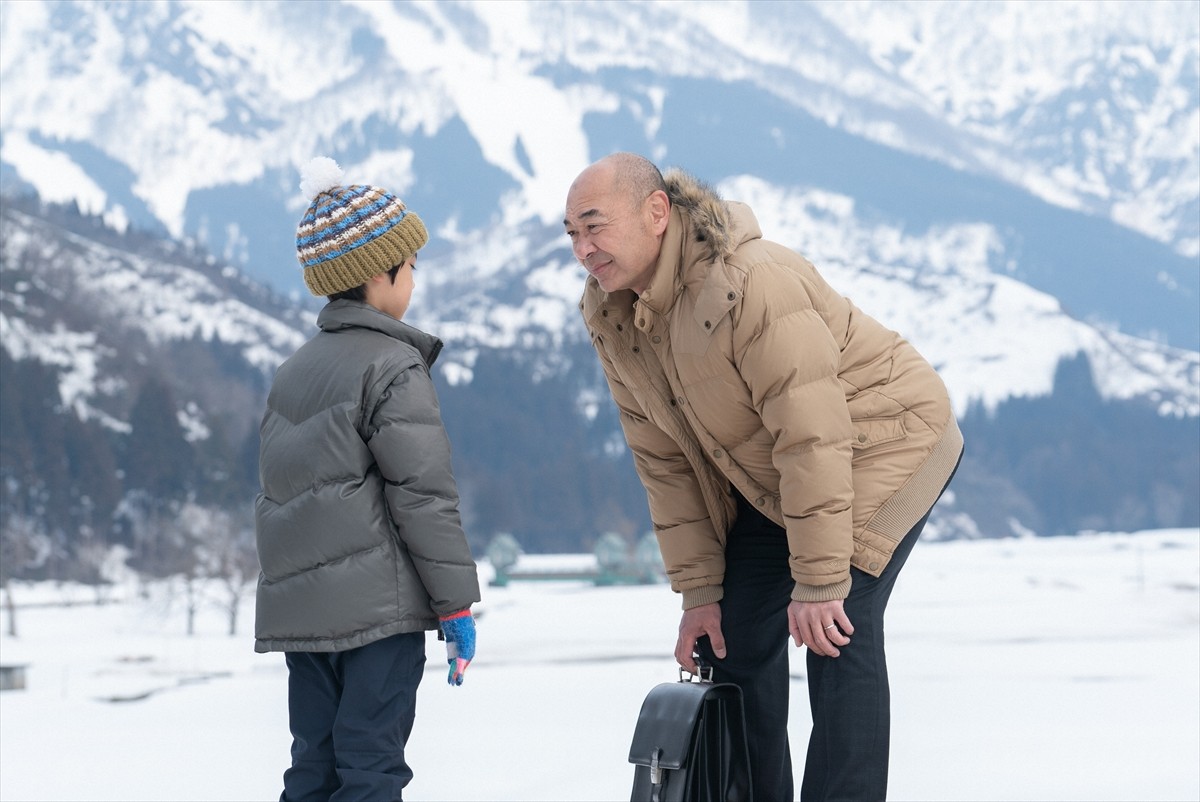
(696, 623)
(821, 626)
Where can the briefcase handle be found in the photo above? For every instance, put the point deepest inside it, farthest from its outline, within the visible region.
(704, 672)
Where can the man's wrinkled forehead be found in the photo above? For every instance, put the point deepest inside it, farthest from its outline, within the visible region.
(591, 196)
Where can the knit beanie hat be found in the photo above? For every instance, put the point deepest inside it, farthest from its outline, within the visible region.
(351, 233)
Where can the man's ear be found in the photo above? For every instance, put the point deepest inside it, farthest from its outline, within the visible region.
(659, 207)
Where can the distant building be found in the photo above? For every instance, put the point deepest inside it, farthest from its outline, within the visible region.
(12, 677)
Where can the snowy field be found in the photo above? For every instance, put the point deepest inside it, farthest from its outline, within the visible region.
(1052, 669)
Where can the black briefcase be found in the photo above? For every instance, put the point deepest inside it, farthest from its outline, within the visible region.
(690, 743)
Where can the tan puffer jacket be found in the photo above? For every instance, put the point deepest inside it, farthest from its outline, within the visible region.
(739, 367)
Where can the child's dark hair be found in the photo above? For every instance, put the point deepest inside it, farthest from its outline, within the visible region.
(359, 293)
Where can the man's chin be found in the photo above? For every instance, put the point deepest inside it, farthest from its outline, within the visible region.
(607, 284)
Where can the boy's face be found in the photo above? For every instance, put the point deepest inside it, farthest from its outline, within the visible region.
(393, 297)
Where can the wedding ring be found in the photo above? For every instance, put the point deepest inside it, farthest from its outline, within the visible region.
(832, 626)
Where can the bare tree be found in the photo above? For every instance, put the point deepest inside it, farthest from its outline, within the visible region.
(165, 548)
(24, 544)
(92, 557)
(207, 553)
(226, 554)
(193, 594)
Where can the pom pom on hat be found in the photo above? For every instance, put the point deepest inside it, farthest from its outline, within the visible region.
(319, 175)
(351, 233)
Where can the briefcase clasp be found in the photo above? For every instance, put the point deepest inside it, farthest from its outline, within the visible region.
(704, 673)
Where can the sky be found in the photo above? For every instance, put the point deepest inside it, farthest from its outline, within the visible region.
(1030, 669)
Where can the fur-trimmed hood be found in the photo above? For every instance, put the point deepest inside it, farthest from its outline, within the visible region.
(709, 214)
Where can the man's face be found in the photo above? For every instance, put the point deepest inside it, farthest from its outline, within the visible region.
(614, 236)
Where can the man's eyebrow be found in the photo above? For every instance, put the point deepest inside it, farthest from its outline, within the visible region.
(583, 216)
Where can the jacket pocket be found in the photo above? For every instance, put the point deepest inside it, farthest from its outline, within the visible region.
(871, 432)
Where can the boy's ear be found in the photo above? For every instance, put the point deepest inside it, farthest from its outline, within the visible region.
(371, 287)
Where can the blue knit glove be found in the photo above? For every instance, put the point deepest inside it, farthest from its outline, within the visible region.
(459, 629)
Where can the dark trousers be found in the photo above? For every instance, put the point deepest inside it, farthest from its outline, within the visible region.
(849, 695)
(351, 714)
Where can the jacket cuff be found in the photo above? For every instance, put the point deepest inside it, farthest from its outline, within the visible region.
(705, 594)
(820, 593)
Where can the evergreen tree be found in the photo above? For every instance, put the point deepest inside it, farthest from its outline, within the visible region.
(1048, 462)
(157, 459)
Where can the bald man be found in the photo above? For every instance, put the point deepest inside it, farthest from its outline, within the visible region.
(791, 448)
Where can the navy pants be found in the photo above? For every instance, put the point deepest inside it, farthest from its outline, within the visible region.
(849, 695)
(351, 714)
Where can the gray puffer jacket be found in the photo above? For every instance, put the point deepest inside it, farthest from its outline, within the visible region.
(359, 536)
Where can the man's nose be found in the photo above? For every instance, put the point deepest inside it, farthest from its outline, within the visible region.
(583, 247)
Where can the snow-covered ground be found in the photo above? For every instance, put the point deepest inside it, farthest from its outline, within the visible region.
(1049, 669)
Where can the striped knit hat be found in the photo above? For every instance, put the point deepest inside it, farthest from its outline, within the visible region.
(351, 233)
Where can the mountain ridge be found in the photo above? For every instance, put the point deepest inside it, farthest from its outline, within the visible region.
(823, 57)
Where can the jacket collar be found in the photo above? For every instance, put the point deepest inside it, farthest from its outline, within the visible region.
(667, 280)
(341, 315)
(665, 284)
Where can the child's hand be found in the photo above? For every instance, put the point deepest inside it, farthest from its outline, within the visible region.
(459, 629)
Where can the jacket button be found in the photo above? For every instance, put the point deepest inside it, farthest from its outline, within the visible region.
(656, 339)
(637, 350)
(862, 438)
(604, 312)
(731, 296)
(717, 452)
(707, 324)
(672, 401)
(642, 321)
(874, 566)
(620, 327)
(760, 501)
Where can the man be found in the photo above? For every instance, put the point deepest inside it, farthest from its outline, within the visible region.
(791, 448)
(359, 536)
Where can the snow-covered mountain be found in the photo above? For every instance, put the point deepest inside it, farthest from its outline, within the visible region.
(1088, 105)
(92, 309)
(1072, 128)
(1091, 105)
(1012, 186)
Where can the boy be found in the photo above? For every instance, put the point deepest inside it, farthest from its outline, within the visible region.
(357, 523)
